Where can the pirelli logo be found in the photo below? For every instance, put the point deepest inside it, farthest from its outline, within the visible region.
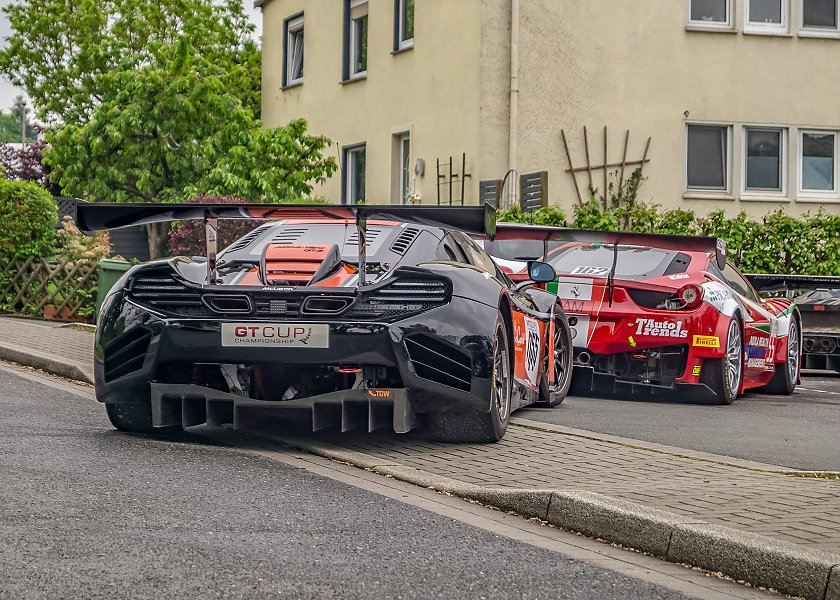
(706, 341)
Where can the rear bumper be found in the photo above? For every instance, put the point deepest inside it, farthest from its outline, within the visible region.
(174, 344)
(588, 382)
(821, 351)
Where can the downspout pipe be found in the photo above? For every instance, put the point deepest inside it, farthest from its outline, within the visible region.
(514, 84)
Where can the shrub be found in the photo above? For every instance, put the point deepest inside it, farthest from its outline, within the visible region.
(29, 216)
(187, 237)
(75, 248)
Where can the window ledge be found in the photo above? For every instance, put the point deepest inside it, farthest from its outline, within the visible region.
(747, 197)
(710, 28)
(292, 85)
(699, 195)
(768, 33)
(818, 199)
(817, 33)
(403, 49)
(354, 79)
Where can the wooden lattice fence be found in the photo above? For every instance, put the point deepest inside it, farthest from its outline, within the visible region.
(55, 289)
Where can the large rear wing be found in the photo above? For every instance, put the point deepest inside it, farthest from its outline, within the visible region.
(784, 283)
(477, 220)
(685, 243)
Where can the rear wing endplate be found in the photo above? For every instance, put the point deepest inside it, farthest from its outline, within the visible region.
(477, 220)
(685, 243)
(781, 283)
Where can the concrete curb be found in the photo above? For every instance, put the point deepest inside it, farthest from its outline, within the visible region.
(759, 560)
(31, 358)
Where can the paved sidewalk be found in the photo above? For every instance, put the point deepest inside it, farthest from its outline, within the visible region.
(749, 497)
(60, 350)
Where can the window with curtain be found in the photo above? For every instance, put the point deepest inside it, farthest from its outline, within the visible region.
(707, 160)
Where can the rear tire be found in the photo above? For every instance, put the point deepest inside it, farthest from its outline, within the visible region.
(725, 375)
(477, 427)
(135, 417)
(553, 395)
(787, 373)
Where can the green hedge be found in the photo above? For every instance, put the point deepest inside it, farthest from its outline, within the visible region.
(777, 243)
(28, 215)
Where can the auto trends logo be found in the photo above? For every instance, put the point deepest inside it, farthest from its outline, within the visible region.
(653, 328)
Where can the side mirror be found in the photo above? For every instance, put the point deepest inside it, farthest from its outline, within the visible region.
(541, 272)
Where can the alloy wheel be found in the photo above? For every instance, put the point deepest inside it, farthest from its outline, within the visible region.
(793, 355)
(734, 357)
(501, 379)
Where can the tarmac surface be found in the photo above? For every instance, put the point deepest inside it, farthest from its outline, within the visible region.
(87, 512)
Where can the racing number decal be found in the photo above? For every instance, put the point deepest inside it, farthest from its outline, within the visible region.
(527, 351)
(532, 349)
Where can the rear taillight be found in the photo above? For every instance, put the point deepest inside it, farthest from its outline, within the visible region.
(690, 295)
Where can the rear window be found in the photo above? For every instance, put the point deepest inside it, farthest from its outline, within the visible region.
(518, 249)
(634, 263)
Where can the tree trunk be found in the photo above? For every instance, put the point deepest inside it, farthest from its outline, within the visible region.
(158, 239)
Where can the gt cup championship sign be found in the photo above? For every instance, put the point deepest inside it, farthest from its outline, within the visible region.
(293, 335)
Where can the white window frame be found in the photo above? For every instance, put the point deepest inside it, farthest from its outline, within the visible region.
(350, 172)
(358, 9)
(403, 42)
(783, 162)
(405, 166)
(724, 191)
(768, 28)
(800, 160)
(293, 26)
(726, 25)
(814, 31)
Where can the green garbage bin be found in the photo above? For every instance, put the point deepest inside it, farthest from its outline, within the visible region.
(109, 272)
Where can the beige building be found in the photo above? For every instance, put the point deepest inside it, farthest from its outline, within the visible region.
(728, 103)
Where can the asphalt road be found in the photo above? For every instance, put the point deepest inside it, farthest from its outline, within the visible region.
(801, 431)
(87, 512)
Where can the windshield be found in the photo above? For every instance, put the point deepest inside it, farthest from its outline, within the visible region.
(634, 263)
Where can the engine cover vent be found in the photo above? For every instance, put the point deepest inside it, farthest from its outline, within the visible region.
(404, 240)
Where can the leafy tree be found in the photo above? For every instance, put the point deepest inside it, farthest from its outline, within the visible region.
(174, 130)
(58, 48)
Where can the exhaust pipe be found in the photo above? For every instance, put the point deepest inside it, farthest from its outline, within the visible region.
(809, 344)
(584, 358)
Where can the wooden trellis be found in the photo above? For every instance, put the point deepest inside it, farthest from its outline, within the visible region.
(32, 284)
(605, 166)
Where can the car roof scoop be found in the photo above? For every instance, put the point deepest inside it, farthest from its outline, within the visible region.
(297, 265)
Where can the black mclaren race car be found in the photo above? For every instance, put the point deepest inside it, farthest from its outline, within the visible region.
(819, 306)
(346, 317)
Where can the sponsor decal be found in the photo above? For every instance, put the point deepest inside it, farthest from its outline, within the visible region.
(695, 371)
(706, 341)
(296, 335)
(532, 349)
(654, 328)
(759, 342)
(678, 276)
(573, 306)
(380, 393)
(594, 271)
(718, 295)
(277, 289)
(755, 363)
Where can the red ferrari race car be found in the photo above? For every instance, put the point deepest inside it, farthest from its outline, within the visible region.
(659, 314)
